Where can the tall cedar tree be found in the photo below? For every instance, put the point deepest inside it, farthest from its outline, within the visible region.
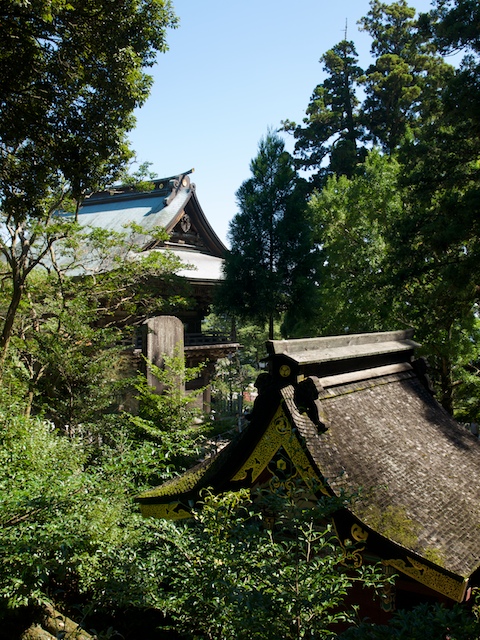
(269, 270)
(331, 128)
(402, 85)
(71, 75)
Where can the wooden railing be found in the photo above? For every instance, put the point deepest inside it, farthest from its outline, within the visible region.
(203, 339)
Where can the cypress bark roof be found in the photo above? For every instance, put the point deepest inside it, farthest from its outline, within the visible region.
(389, 440)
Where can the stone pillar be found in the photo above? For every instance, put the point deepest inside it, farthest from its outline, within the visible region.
(161, 336)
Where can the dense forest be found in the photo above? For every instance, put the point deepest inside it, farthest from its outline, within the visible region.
(371, 224)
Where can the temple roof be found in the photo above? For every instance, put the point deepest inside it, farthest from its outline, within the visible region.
(376, 433)
(390, 441)
(335, 348)
(172, 203)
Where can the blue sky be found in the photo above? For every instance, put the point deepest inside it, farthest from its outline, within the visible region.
(234, 69)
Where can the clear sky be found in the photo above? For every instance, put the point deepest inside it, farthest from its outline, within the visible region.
(234, 69)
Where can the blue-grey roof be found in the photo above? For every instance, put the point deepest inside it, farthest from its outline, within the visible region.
(115, 211)
(164, 206)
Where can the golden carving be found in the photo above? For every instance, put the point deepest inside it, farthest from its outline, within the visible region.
(351, 555)
(281, 424)
(357, 557)
(284, 474)
(171, 511)
(279, 433)
(285, 371)
(359, 534)
(430, 577)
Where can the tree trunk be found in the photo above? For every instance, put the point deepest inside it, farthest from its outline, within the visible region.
(446, 384)
(18, 287)
(270, 327)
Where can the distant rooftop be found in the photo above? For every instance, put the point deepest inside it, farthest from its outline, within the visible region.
(171, 204)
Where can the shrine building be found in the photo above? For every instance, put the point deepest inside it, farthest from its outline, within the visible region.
(354, 415)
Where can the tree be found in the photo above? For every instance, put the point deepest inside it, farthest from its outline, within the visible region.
(438, 236)
(331, 128)
(168, 418)
(438, 230)
(455, 24)
(71, 77)
(387, 262)
(403, 83)
(399, 239)
(401, 92)
(351, 218)
(271, 250)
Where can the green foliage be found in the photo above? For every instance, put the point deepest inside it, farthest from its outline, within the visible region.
(140, 179)
(400, 92)
(226, 576)
(374, 277)
(66, 68)
(54, 514)
(168, 418)
(68, 529)
(402, 85)
(439, 231)
(351, 217)
(70, 369)
(68, 533)
(454, 24)
(424, 622)
(392, 90)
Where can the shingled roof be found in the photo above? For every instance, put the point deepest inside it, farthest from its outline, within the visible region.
(391, 441)
(368, 425)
